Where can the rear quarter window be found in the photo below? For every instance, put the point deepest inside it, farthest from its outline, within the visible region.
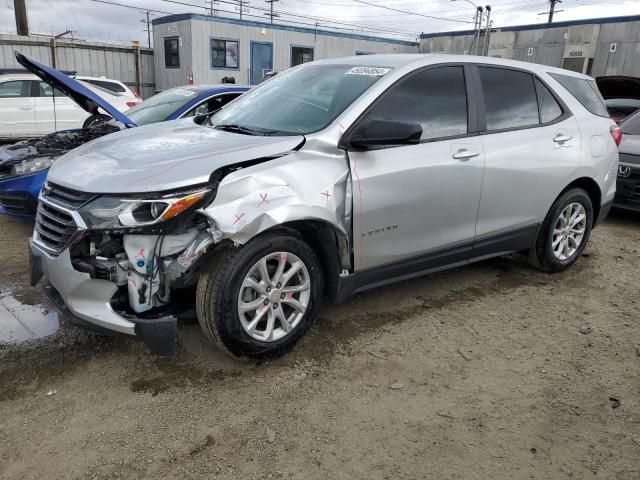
(585, 91)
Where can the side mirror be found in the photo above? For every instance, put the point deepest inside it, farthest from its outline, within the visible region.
(384, 133)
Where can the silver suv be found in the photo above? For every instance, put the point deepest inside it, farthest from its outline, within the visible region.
(329, 179)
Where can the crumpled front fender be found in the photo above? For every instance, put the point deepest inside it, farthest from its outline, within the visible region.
(298, 186)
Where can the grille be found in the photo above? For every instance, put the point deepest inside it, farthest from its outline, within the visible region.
(55, 227)
(18, 203)
(65, 197)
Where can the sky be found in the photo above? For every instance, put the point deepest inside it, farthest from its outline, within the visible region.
(92, 20)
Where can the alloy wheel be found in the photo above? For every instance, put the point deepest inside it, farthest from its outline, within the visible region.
(274, 296)
(568, 231)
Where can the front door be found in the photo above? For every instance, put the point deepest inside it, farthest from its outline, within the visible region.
(409, 201)
(261, 61)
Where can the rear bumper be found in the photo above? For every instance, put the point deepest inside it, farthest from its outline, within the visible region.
(19, 195)
(628, 188)
(86, 302)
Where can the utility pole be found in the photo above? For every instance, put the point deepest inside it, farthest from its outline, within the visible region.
(22, 23)
(148, 29)
(552, 8)
(485, 50)
(271, 14)
(479, 27)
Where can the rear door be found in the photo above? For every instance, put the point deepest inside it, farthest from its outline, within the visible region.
(411, 201)
(532, 145)
(54, 110)
(17, 112)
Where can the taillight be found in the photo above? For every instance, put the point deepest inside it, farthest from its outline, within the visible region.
(616, 133)
(131, 104)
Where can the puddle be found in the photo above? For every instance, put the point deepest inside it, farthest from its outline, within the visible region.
(20, 322)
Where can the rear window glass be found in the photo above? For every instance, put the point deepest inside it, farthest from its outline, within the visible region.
(510, 98)
(585, 91)
(631, 125)
(111, 86)
(549, 107)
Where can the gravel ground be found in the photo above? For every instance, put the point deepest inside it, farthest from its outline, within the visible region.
(475, 373)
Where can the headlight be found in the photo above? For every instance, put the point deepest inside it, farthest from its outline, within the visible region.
(112, 212)
(32, 166)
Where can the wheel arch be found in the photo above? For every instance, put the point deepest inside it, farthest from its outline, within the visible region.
(329, 243)
(592, 188)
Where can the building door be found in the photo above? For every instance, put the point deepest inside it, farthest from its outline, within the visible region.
(575, 64)
(261, 61)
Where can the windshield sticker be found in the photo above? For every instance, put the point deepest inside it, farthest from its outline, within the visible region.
(370, 71)
(183, 92)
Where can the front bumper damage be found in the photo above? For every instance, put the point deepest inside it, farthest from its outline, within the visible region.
(86, 302)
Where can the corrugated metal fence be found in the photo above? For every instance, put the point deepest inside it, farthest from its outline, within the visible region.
(131, 65)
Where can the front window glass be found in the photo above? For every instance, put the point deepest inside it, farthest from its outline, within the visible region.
(14, 89)
(436, 99)
(160, 106)
(47, 91)
(300, 101)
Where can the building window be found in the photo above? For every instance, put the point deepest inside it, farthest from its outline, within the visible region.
(172, 52)
(300, 55)
(224, 53)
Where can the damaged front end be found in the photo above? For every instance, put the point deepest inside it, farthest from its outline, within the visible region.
(122, 264)
(24, 165)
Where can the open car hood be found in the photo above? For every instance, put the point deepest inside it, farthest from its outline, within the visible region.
(619, 86)
(88, 100)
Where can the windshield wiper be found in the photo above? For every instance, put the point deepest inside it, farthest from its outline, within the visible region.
(235, 128)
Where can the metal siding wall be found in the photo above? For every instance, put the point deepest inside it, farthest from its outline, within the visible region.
(86, 58)
(199, 51)
(172, 77)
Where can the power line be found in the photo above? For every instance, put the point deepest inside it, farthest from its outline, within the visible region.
(412, 13)
(315, 19)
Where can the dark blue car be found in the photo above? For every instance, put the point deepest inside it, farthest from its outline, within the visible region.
(24, 165)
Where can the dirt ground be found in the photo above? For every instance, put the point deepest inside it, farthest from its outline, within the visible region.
(475, 373)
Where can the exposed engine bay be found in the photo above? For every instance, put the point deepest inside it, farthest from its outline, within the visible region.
(54, 144)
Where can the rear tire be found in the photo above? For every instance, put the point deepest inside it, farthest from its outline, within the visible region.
(564, 233)
(255, 314)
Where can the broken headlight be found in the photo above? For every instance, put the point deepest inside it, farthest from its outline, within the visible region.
(32, 166)
(116, 212)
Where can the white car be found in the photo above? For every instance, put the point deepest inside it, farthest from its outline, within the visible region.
(29, 108)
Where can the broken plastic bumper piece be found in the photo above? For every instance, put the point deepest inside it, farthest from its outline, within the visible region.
(86, 302)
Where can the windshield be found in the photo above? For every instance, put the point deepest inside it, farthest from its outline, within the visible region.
(300, 101)
(160, 106)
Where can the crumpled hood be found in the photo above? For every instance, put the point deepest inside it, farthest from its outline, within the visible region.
(159, 157)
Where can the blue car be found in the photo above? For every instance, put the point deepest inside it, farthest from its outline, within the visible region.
(24, 165)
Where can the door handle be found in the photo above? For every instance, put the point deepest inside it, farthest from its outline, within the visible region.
(25, 107)
(561, 138)
(464, 154)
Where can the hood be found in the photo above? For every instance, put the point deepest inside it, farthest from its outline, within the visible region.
(619, 86)
(159, 157)
(88, 100)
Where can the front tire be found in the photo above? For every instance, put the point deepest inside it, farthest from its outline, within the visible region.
(564, 233)
(259, 300)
